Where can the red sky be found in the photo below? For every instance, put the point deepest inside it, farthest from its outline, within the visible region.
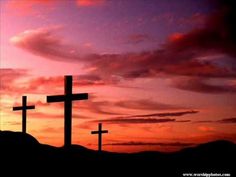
(160, 76)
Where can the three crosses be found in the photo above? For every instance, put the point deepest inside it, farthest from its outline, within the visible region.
(67, 98)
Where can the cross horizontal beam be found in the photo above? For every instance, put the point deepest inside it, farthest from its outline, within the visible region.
(62, 98)
(21, 108)
(97, 132)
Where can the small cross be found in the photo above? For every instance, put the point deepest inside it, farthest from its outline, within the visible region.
(99, 132)
(24, 108)
(67, 98)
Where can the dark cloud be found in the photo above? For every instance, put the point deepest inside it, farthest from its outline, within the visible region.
(225, 120)
(217, 34)
(135, 121)
(202, 86)
(183, 121)
(204, 121)
(169, 114)
(147, 118)
(228, 120)
(166, 114)
(137, 143)
(200, 69)
(145, 104)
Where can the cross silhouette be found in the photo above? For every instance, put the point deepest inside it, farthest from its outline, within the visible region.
(67, 99)
(99, 132)
(24, 108)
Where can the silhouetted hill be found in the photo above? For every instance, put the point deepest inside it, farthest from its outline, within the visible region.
(19, 150)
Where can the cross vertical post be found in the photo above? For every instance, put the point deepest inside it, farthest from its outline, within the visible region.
(24, 114)
(68, 111)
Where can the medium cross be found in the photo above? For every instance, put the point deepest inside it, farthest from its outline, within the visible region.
(67, 99)
(99, 132)
(24, 108)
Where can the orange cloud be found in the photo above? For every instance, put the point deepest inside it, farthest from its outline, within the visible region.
(176, 36)
(90, 2)
(206, 128)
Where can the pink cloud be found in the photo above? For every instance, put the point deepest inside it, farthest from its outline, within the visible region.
(28, 7)
(44, 42)
(19, 81)
(111, 68)
(9, 78)
(181, 55)
(138, 38)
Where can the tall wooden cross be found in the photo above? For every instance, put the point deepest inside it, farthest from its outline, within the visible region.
(67, 99)
(99, 132)
(24, 108)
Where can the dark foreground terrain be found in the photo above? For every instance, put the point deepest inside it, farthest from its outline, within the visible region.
(23, 154)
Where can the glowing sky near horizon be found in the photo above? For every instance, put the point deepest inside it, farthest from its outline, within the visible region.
(160, 74)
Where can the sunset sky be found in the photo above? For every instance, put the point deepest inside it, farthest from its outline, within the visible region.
(161, 75)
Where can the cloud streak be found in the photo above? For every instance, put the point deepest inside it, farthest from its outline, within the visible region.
(168, 114)
(202, 86)
(228, 120)
(135, 121)
(231, 120)
(147, 118)
(145, 104)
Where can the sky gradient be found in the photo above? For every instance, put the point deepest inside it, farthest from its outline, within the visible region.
(161, 75)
